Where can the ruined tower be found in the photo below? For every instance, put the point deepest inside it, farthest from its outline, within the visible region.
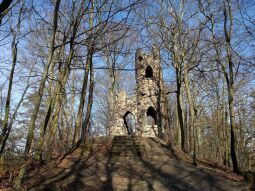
(149, 92)
(147, 106)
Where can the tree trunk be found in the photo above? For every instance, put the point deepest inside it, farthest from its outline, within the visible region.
(59, 99)
(78, 123)
(51, 102)
(85, 125)
(8, 99)
(111, 92)
(63, 78)
(50, 106)
(232, 125)
(5, 132)
(31, 127)
(192, 114)
(230, 81)
(9, 127)
(179, 108)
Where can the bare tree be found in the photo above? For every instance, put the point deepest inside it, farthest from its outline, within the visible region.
(30, 135)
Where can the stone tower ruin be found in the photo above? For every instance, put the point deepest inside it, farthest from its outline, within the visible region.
(146, 108)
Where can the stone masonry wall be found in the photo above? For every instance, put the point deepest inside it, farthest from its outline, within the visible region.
(148, 101)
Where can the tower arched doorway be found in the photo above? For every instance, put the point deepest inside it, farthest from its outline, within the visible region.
(130, 123)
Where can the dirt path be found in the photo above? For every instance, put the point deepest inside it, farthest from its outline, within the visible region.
(131, 164)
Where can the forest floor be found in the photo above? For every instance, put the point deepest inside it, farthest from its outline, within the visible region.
(129, 163)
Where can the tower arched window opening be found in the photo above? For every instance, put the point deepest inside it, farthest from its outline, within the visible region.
(148, 72)
(151, 116)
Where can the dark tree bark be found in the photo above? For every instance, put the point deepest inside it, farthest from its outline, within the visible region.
(85, 125)
(228, 23)
(78, 124)
(31, 127)
(5, 130)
